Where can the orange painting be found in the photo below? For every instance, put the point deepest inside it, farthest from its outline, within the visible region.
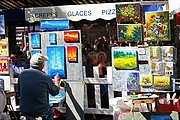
(71, 36)
(4, 66)
(72, 53)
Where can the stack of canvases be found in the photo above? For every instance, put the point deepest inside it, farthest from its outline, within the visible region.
(145, 69)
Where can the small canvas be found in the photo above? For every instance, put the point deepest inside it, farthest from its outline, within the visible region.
(36, 40)
(157, 25)
(129, 32)
(4, 47)
(132, 80)
(155, 53)
(162, 82)
(146, 80)
(71, 36)
(169, 68)
(157, 68)
(168, 53)
(72, 54)
(128, 13)
(125, 58)
(52, 39)
(4, 63)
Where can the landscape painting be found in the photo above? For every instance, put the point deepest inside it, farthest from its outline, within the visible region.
(167, 53)
(155, 53)
(129, 32)
(128, 13)
(157, 26)
(162, 82)
(132, 80)
(125, 58)
(56, 63)
(71, 36)
(157, 68)
(146, 80)
(72, 54)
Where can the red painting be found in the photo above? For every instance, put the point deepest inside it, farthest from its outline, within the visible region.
(71, 36)
(4, 66)
(72, 53)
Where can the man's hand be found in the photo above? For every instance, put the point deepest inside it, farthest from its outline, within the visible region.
(57, 80)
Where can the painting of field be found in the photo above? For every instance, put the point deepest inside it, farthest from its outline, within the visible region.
(125, 58)
(162, 82)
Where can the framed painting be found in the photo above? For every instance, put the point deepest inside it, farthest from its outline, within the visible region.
(162, 82)
(128, 13)
(4, 63)
(36, 40)
(157, 68)
(161, 117)
(168, 68)
(132, 80)
(168, 53)
(54, 24)
(157, 25)
(4, 49)
(72, 54)
(155, 53)
(56, 63)
(71, 36)
(52, 39)
(35, 51)
(129, 32)
(125, 58)
(2, 25)
(146, 80)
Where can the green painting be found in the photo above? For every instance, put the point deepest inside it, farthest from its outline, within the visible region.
(129, 32)
(125, 58)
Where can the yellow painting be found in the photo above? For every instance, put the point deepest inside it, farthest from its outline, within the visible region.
(145, 80)
(157, 25)
(162, 82)
(4, 50)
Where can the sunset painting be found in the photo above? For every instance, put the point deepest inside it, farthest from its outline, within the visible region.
(72, 53)
(71, 36)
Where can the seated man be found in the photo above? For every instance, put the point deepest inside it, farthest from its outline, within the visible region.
(15, 64)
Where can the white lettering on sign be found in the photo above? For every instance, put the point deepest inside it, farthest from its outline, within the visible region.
(46, 15)
(79, 13)
(109, 12)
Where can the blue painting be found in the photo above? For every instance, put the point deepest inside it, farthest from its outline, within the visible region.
(52, 39)
(36, 40)
(2, 25)
(161, 117)
(35, 51)
(132, 80)
(58, 98)
(56, 62)
(61, 24)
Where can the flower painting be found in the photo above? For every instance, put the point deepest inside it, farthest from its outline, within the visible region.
(132, 80)
(128, 13)
(125, 58)
(129, 32)
(145, 80)
(162, 82)
(56, 62)
(157, 25)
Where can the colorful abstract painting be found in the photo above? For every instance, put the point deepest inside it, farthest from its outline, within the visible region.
(130, 13)
(132, 80)
(72, 54)
(36, 40)
(71, 36)
(157, 25)
(129, 32)
(167, 53)
(4, 49)
(4, 69)
(155, 53)
(56, 63)
(162, 82)
(168, 68)
(125, 58)
(146, 80)
(52, 39)
(157, 68)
